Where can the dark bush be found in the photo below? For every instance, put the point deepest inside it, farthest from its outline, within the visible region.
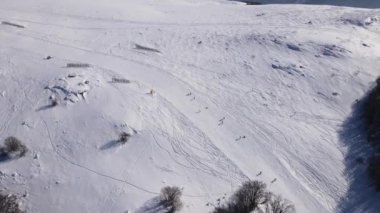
(54, 102)
(374, 171)
(171, 198)
(245, 199)
(9, 204)
(13, 146)
(123, 137)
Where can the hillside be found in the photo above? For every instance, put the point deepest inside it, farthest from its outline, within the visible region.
(213, 92)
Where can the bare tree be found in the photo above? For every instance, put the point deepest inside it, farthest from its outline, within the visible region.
(171, 198)
(276, 204)
(245, 199)
(9, 204)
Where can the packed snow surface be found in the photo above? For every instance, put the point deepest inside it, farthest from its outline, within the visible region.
(213, 92)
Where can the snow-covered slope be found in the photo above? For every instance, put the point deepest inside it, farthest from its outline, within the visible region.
(215, 92)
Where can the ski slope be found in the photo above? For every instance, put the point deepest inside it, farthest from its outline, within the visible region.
(214, 92)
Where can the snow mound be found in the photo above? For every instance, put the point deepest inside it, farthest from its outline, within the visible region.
(71, 88)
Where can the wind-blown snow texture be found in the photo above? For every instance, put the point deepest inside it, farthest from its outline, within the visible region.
(214, 92)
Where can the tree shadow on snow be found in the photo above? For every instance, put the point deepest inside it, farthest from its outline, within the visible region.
(44, 107)
(110, 144)
(4, 157)
(153, 205)
(361, 195)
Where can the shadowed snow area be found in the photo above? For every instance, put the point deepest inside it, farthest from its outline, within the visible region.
(212, 92)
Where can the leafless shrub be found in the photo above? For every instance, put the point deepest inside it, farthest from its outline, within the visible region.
(253, 197)
(171, 197)
(13, 146)
(9, 204)
(54, 102)
(124, 137)
(245, 199)
(276, 204)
